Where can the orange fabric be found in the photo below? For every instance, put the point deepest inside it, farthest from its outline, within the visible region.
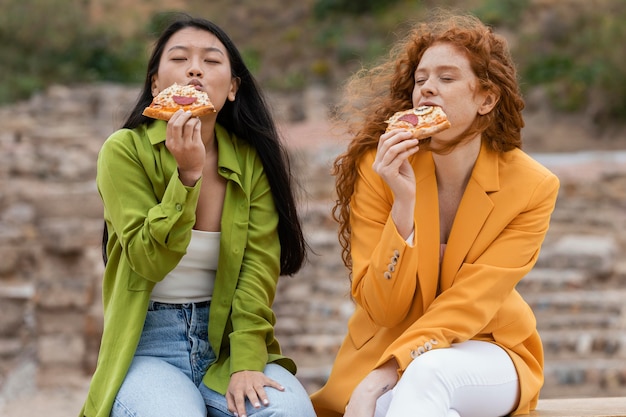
(495, 240)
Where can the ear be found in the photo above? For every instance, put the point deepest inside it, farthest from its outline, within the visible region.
(154, 88)
(234, 87)
(489, 101)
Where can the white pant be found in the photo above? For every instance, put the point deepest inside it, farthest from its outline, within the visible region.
(470, 379)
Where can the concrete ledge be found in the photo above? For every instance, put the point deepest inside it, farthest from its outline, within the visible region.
(581, 407)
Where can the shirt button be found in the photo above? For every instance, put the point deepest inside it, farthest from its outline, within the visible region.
(387, 275)
(179, 207)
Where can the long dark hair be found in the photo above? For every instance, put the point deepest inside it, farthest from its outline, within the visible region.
(249, 118)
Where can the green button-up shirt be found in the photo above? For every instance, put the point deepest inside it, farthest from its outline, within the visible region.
(149, 215)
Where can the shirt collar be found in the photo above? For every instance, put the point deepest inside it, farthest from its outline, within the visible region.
(227, 155)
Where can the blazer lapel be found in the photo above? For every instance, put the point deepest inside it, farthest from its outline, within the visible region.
(475, 207)
(427, 226)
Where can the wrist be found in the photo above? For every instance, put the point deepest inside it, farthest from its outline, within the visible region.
(402, 216)
(189, 179)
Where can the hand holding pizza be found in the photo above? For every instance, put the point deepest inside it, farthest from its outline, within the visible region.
(181, 105)
(392, 164)
(184, 141)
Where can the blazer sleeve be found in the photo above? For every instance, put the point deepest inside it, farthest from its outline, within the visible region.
(153, 230)
(376, 246)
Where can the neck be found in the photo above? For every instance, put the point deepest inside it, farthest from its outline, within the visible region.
(208, 134)
(455, 168)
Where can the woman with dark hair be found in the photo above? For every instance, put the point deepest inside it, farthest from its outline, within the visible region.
(437, 233)
(200, 222)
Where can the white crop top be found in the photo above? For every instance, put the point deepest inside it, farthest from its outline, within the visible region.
(193, 278)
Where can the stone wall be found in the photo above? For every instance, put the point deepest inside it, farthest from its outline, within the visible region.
(50, 265)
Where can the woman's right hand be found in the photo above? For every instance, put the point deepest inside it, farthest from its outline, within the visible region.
(378, 382)
(184, 141)
(392, 164)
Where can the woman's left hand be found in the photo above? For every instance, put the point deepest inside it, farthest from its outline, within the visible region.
(250, 385)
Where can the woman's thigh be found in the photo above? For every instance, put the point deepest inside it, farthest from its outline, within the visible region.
(474, 378)
(153, 387)
(293, 401)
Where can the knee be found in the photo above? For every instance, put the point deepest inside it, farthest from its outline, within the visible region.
(289, 403)
(426, 370)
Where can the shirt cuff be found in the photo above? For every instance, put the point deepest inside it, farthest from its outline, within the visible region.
(409, 240)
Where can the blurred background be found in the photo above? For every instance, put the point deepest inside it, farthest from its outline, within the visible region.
(71, 69)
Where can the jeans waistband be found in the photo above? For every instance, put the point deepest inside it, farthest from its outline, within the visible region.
(155, 305)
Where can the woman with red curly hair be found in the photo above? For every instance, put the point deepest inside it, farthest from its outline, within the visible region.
(437, 233)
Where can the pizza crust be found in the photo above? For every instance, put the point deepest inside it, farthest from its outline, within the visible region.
(166, 114)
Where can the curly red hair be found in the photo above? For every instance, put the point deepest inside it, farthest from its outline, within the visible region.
(373, 95)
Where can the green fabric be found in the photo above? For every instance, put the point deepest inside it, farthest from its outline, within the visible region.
(149, 215)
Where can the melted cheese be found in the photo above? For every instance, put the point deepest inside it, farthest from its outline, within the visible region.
(165, 97)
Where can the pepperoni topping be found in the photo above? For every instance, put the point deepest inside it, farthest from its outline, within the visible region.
(183, 100)
(410, 118)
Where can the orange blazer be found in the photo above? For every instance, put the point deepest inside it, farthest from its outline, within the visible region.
(408, 301)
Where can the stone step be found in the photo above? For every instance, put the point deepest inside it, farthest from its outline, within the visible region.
(605, 301)
(595, 254)
(584, 343)
(606, 375)
(552, 279)
(549, 320)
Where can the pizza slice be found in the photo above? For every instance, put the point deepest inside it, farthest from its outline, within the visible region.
(175, 97)
(422, 122)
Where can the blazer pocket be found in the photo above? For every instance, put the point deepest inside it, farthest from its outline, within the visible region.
(360, 328)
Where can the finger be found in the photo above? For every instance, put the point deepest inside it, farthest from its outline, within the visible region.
(240, 406)
(271, 383)
(261, 398)
(262, 393)
(191, 129)
(393, 156)
(391, 139)
(230, 403)
(175, 126)
(253, 397)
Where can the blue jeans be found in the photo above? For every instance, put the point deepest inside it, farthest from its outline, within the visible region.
(165, 377)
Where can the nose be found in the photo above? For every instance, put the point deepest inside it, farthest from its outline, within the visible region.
(427, 88)
(194, 69)
(194, 72)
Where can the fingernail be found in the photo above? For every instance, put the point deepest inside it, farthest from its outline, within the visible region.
(266, 401)
(257, 405)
